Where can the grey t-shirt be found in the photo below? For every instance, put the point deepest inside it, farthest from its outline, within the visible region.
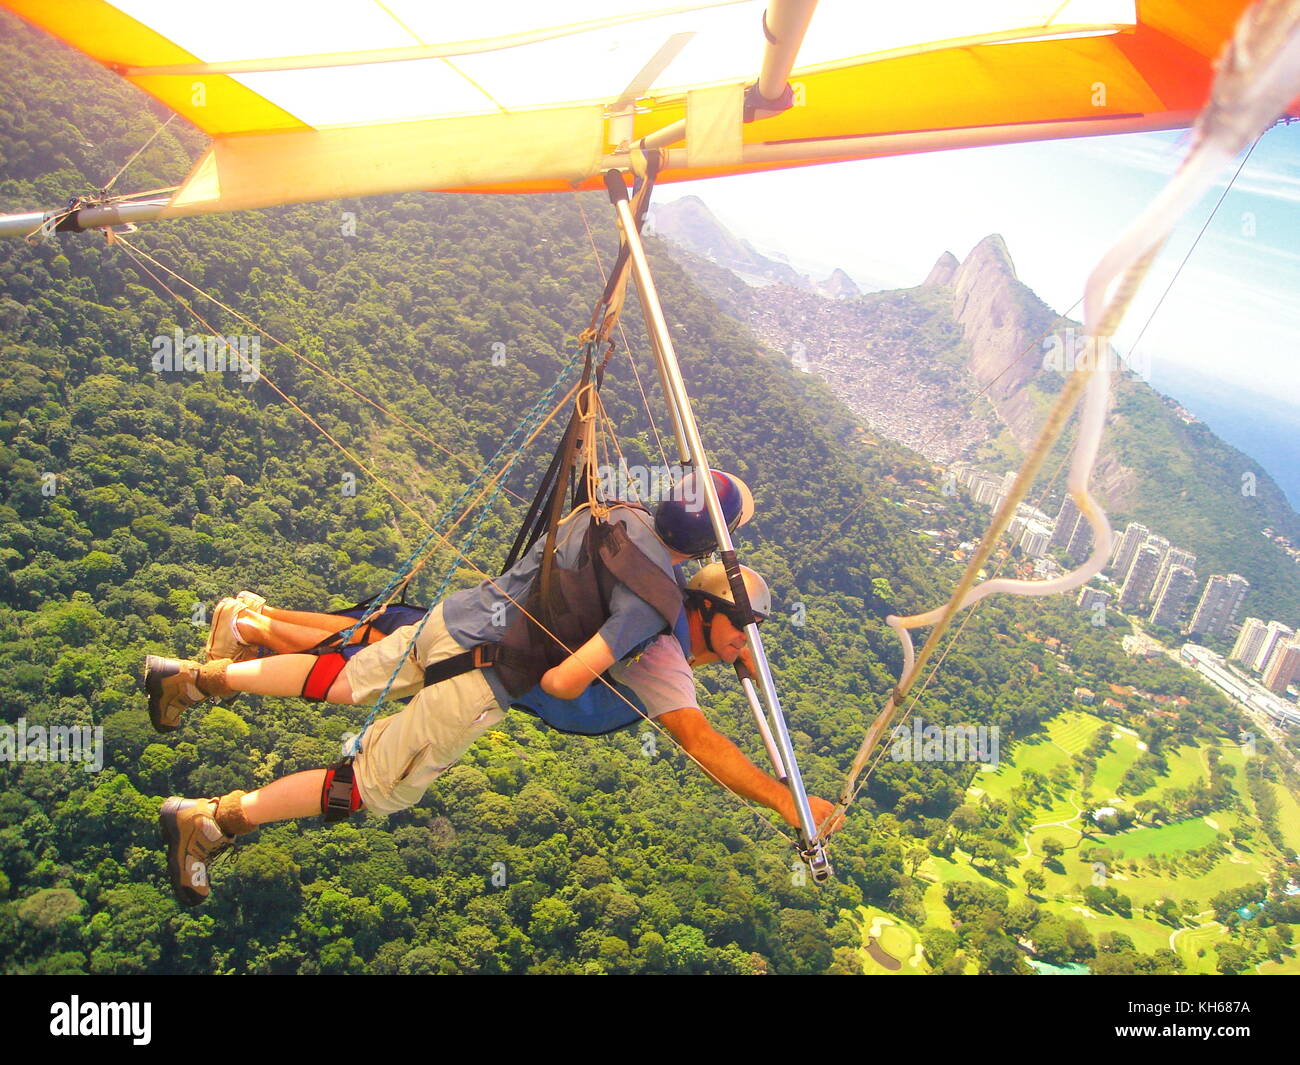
(660, 676)
(481, 614)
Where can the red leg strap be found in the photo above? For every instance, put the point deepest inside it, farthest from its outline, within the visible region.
(323, 673)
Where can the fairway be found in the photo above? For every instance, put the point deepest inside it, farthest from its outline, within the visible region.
(1148, 864)
(1167, 839)
(1112, 766)
(1193, 941)
(1288, 817)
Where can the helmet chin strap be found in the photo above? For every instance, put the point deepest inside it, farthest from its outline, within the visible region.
(707, 613)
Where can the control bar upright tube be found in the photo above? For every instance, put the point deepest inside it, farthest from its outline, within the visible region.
(813, 850)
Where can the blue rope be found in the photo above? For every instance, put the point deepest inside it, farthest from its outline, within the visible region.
(507, 455)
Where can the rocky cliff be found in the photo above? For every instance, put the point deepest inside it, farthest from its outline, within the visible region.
(1004, 325)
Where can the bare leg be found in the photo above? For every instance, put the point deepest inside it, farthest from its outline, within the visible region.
(308, 618)
(282, 675)
(286, 631)
(294, 796)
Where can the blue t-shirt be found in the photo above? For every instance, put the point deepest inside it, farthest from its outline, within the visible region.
(481, 614)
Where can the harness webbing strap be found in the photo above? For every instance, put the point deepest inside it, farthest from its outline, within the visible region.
(324, 672)
(339, 795)
(477, 658)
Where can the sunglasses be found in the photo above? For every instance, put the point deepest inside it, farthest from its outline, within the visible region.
(732, 614)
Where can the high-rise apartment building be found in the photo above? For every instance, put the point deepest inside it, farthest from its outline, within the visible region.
(1180, 583)
(1219, 604)
(1275, 634)
(1141, 577)
(1284, 667)
(1249, 641)
(1126, 550)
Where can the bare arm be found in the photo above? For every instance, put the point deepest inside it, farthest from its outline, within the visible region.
(728, 764)
(571, 677)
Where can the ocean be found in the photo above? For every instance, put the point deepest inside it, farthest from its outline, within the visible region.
(1264, 427)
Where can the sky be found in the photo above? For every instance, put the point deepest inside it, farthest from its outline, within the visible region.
(1233, 314)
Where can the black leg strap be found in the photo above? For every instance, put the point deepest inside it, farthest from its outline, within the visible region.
(339, 797)
(478, 658)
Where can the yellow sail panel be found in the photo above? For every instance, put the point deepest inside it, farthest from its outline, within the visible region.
(361, 61)
(216, 104)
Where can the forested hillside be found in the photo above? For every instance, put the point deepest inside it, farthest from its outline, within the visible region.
(130, 500)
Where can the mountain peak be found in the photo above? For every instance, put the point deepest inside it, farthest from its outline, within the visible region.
(839, 286)
(990, 254)
(942, 272)
(690, 224)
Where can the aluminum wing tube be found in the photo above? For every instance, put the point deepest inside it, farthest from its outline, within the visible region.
(117, 214)
(812, 850)
(784, 22)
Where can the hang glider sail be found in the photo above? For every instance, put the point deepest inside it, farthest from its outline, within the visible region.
(366, 97)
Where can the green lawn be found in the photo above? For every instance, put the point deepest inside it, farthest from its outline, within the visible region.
(1288, 817)
(1287, 967)
(1147, 935)
(1190, 943)
(1167, 839)
(1073, 730)
(1112, 766)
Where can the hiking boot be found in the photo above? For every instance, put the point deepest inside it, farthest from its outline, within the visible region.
(175, 684)
(196, 831)
(223, 636)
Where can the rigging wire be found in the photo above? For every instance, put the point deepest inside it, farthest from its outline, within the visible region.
(1219, 203)
(325, 372)
(138, 151)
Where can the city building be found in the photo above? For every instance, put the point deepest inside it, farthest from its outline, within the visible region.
(1179, 585)
(1090, 597)
(1067, 520)
(1249, 641)
(1282, 670)
(1162, 545)
(1141, 577)
(1275, 634)
(1080, 545)
(985, 489)
(1174, 557)
(1004, 489)
(1031, 536)
(1219, 604)
(1126, 550)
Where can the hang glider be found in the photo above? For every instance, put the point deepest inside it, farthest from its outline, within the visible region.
(365, 97)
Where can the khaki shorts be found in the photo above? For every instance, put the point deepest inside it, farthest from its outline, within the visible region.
(402, 754)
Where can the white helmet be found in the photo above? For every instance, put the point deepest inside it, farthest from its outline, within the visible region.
(712, 585)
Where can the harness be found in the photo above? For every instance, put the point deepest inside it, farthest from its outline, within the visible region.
(571, 611)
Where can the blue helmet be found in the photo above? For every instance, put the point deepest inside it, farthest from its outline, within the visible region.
(682, 519)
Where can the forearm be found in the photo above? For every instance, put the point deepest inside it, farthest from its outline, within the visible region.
(726, 763)
(572, 677)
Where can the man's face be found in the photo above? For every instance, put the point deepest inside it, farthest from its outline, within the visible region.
(728, 641)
